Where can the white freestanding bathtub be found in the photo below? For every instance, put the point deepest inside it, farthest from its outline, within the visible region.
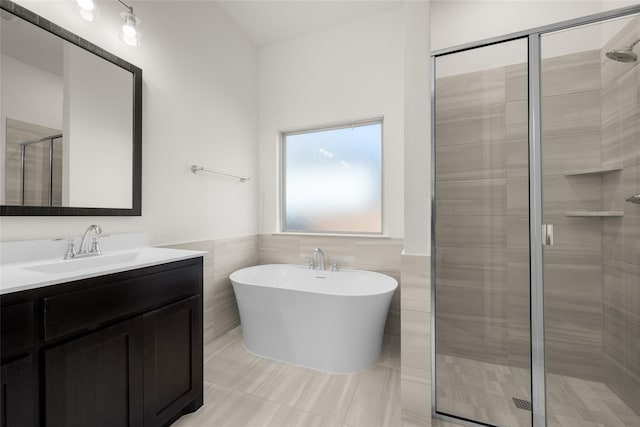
(323, 320)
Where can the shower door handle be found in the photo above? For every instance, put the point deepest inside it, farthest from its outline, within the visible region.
(547, 230)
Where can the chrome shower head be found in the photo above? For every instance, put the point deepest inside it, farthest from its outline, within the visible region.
(624, 55)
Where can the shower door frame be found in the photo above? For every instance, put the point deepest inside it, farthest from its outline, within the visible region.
(534, 60)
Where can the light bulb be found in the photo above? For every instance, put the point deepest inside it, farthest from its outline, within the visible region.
(87, 5)
(128, 30)
(87, 15)
(129, 22)
(130, 41)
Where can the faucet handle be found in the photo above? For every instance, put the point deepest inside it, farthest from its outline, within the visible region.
(95, 248)
(71, 250)
(335, 264)
(310, 262)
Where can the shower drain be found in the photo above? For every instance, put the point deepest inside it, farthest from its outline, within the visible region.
(522, 404)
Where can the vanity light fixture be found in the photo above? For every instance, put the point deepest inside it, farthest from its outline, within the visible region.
(88, 9)
(129, 34)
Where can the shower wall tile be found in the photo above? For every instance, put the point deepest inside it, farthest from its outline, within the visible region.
(468, 125)
(619, 99)
(517, 234)
(620, 145)
(481, 196)
(518, 196)
(375, 254)
(571, 113)
(621, 288)
(612, 191)
(622, 337)
(486, 231)
(485, 307)
(573, 312)
(624, 383)
(463, 266)
(575, 72)
(517, 158)
(471, 89)
(567, 152)
(575, 235)
(517, 84)
(621, 237)
(465, 339)
(471, 161)
(571, 193)
(630, 141)
(517, 119)
(631, 186)
(518, 309)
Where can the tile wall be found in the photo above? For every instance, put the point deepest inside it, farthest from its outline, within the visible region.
(415, 341)
(621, 237)
(224, 257)
(571, 135)
(482, 216)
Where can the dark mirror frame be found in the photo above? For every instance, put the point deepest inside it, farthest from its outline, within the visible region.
(136, 206)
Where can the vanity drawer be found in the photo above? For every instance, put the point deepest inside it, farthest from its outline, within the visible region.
(106, 300)
(16, 328)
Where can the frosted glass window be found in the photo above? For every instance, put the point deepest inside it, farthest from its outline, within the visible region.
(333, 180)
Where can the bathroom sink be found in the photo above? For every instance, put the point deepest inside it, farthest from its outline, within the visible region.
(64, 266)
(32, 264)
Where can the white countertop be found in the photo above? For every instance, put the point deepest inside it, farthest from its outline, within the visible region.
(20, 261)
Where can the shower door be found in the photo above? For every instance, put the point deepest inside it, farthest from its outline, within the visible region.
(536, 226)
(590, 99)
(481, 232)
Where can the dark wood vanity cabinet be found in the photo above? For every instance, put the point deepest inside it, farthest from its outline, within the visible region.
(117, 350)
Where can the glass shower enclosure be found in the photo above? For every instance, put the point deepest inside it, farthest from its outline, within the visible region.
(536, 226)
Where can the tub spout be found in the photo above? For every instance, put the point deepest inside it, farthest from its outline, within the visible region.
(318, 252)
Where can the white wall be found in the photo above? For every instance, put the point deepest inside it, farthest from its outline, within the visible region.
(455, 22)
(458, 22)
(417, 129)
(199, 106)
(348, 72)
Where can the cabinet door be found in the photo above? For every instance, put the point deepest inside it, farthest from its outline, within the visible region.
(17, 407)
(172, 361)
(96, 380)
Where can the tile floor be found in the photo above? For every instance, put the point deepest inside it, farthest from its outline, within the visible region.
(244, 390)
(484, 391)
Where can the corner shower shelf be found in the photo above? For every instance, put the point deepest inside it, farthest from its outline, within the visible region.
(601, 169)
(594, 213)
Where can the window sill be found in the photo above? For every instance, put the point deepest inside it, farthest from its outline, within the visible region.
(366, 236)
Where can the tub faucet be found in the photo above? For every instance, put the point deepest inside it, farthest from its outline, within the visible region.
(318, 252)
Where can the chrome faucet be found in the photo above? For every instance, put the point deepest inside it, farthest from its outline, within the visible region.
(95, 249)
(318, 252)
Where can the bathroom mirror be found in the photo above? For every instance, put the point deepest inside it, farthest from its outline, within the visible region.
(70, 117)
